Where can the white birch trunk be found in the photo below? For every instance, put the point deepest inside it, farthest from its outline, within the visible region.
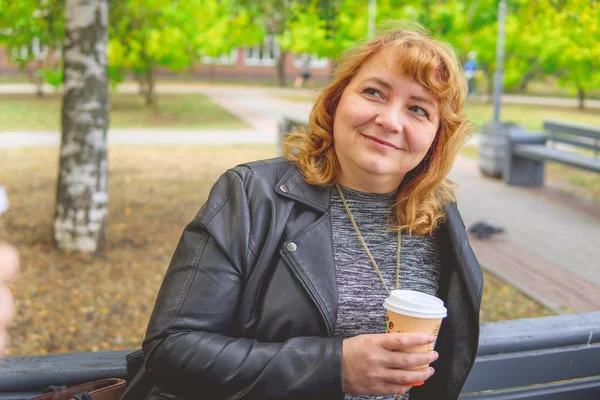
(81, 217)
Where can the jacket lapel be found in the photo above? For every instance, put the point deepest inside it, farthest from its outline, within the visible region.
(309, 254)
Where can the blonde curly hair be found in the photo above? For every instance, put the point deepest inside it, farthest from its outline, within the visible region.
(419, 205)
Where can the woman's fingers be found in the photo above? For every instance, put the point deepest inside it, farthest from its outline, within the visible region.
(398, 359)
(9, 262)
(400, 341)
(402, 377)
(3, 341)
(7, 308)
(370, 366)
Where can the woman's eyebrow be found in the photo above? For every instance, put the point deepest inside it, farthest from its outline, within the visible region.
(380, 81)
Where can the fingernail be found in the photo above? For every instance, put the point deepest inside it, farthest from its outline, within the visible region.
(437, 355)
(431, 371)
(431, 338)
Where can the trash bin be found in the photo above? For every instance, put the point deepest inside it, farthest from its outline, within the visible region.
(492, 147)
(287, 125)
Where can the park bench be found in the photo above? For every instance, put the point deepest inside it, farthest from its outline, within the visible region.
(550, 358)
(567, 143)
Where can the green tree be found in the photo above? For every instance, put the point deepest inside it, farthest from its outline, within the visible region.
(327, 27)
(31, 30)
(146, 34)
(571, 50)
(271, 18)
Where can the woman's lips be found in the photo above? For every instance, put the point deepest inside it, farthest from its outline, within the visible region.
(383, 142)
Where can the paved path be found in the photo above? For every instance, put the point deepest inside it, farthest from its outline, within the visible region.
(550, 249)
(550, 246)
(174, 87)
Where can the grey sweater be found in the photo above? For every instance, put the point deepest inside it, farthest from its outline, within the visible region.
(360, 292)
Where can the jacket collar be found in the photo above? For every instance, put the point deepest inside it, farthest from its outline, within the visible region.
(292, 185)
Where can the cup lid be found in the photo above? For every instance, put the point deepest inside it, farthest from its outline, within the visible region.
(415, 304)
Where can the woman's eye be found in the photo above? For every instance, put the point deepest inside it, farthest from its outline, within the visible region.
(372, 92)
(420, 111)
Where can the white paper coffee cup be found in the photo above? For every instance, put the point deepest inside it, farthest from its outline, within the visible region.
(412, 311)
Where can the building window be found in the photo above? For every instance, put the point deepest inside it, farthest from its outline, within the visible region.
(224, 59)
(315, 61)
(39, 52)
(264, 55)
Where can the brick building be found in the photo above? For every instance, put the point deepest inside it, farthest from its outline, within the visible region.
(254, 63)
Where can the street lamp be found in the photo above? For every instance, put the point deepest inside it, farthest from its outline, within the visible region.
(499, 74)
(372, 15)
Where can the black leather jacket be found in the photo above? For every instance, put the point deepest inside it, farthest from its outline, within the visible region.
(247, 308)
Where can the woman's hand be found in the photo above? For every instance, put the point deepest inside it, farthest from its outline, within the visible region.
(376, 364)
(9, 266)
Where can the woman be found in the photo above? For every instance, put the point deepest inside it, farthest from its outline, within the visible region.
(272, 293)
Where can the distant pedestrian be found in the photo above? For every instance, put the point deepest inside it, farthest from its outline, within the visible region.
(304, 77)
(470, 68)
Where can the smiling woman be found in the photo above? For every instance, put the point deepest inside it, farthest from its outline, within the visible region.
(383, 127)
(276, 288)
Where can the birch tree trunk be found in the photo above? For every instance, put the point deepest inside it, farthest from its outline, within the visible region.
(81, 215)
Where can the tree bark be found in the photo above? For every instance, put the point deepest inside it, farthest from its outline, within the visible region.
(37, 81)
(580, 98)
(81, 215)
(281, 68)
(527, 77)
(149, 75)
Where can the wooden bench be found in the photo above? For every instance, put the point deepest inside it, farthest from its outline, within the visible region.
(550, 358)
(562, 142)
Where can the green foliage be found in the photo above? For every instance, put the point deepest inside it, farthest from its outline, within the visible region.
(31, 29)
(543, 37)
(326, 28)
(145, 34)
(53, 76)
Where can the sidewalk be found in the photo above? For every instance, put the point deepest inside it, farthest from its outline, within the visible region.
(550, 247)
(174, 87)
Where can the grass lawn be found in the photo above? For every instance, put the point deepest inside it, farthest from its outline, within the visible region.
(21, 112)
(568, 180)
(530, 116)
(75, 302)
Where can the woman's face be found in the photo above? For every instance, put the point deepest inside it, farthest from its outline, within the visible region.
(383, 127)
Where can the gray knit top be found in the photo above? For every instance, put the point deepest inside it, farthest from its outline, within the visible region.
(360, 292)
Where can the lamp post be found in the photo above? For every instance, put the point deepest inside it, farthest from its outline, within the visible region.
(494, 137)
(372, 15)
(499, 74)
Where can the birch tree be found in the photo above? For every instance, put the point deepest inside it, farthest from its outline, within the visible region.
(81, 215)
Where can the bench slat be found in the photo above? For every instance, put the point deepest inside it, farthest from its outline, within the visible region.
(572, 129)
(583, 145)
(500, 371)
(18, 395)
(542, 153)
(38, 372)
(577, 389)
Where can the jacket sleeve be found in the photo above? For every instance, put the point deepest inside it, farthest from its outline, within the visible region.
(191, 346)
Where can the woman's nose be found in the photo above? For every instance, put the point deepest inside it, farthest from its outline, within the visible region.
(391, 119)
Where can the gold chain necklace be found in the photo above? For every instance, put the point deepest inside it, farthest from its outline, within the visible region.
(385, 286)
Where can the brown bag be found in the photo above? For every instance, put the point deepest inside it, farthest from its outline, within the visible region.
(105, 389)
